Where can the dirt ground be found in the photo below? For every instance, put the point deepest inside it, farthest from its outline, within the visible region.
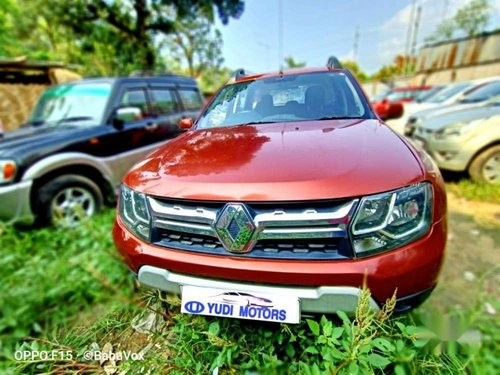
(472, 264)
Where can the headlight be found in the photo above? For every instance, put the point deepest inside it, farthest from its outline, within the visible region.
(390, 220)
(134, 212)
(7, 170)
(458, 129)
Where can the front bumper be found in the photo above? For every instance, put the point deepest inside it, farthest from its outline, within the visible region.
(411, 269)
(315, 300)
(15, 203)
(449, 154)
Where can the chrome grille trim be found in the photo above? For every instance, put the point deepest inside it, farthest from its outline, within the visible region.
(182, 213)
(280, 218)
(328, 222)
(178, 226)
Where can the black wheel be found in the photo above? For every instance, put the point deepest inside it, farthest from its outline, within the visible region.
(67, 200)
(486, 166)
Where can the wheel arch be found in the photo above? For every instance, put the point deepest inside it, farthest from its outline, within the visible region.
(71, 163)
(481, 150)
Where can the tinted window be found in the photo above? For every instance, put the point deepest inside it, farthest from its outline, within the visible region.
(163, 101)
(448, 92)
(135, 98)
(190, 98)
(298, 97)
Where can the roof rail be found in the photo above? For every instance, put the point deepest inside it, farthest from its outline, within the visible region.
(149, 73)
(239, 74)
(333, 63)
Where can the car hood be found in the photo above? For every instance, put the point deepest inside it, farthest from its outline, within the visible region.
(25, 140)
(279, 162)
(461, 116)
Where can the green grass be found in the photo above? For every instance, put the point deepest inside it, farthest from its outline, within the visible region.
(473, 191)
(67, 291)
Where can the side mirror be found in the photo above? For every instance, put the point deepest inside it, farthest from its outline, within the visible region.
(126, 114)
(394, 111)
(186, 123)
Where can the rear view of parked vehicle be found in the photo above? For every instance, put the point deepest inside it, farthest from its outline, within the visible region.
(68, 159)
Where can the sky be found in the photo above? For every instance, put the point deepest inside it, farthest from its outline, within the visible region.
(316, 29)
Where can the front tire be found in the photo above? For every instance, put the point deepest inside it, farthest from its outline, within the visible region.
(485, 168)
(67, 200)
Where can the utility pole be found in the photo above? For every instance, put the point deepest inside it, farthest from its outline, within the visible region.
(355, 45)
(280, 34)
(408, 38)
(415, 33)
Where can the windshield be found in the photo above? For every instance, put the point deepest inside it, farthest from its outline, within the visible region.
(448, 92)
(423, 96)
(482, 94)
(75, 103)
(299, 97)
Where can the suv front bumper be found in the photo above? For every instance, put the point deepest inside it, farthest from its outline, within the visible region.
(324, 286)
(15, 203)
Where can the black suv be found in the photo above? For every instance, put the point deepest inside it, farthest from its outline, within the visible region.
(81, 138)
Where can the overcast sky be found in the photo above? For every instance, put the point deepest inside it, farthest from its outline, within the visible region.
(316, 29)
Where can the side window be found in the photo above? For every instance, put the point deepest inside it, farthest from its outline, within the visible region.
(163, 101)
(135, 98)
(190, 98)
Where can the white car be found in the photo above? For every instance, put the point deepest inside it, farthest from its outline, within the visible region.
(448, 96)
(245, 299)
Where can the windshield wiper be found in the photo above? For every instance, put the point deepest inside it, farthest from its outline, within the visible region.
(74, 119)
(34, 123)
(338, 118)
(258, 122)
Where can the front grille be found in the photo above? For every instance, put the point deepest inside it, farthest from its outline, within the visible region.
(305, 230)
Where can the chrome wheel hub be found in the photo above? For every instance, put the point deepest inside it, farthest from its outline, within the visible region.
(71, 205)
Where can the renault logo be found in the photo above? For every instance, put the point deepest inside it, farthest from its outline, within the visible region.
(235, 228)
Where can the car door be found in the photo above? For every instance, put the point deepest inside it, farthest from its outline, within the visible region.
(167, 111)
(135, 138)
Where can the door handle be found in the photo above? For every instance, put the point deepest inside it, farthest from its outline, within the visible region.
(151, 126)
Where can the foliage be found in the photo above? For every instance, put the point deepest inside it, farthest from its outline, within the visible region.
(471, 20)
(101, 38)
(138, 22)
(470, 190)
(290, 63)
(356, 70)
(194, 43)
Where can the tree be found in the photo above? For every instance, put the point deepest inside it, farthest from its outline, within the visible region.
(196, 44)
(355, 69)
(473, 17)
(137, 23)
(290, 63)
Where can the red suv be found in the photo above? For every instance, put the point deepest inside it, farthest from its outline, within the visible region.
(286, 193)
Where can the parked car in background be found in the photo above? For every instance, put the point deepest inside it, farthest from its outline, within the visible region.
(450, 94)
(391, 103)
(465, 140)
(81, 138)
(289, 187)
(477, 97)
(444, 95)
